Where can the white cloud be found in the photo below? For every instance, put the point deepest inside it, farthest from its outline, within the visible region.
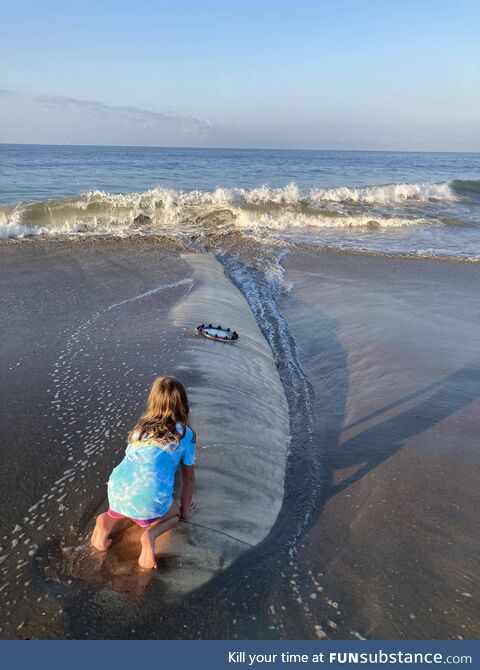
(135, 115)
(58, 119)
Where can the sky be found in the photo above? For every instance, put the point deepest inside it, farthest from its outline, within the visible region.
(343, 74)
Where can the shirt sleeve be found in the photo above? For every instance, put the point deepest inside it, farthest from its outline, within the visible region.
(188, 444)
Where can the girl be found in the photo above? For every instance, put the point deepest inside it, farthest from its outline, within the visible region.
(141, 487)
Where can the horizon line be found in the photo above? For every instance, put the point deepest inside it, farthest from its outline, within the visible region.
(140, 146)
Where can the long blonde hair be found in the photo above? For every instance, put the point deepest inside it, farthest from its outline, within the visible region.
(167, 405)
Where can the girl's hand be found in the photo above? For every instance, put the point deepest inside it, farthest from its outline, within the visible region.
(189, 512)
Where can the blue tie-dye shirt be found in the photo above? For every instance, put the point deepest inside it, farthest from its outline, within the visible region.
(141, 486)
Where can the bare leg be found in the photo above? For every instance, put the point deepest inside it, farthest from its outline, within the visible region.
(102, 530)
(150, 534)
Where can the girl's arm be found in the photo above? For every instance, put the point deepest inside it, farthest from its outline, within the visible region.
(187, 506)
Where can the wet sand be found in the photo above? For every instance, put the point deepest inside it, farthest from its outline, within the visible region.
(93, 323)
(392, 350)
(378, 532)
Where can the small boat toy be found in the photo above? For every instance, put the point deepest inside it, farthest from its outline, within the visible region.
(217, 333)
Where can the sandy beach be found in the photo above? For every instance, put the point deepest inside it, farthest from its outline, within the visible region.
(392, 351)
(110, 317)
(371, 531)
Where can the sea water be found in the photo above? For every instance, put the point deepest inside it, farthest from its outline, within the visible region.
(425, 204)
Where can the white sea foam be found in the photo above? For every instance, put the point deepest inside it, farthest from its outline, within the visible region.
(177, 213)
(388, 194)
(284, 221)
(381, 194)
(163, 287)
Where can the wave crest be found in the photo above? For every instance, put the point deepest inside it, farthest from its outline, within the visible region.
(372, 195)
(177, 212)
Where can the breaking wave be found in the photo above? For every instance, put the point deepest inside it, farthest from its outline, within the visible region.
(177, 213)
(384, 194)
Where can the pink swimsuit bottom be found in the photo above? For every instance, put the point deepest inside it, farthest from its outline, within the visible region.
(141, 522)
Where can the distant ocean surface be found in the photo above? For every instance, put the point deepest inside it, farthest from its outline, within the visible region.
(426, 204)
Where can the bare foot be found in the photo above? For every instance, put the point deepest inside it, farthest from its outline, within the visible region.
(190, 511)
(99, 539)
(98, 544)
(147, 557)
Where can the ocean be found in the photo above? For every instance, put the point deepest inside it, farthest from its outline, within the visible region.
(401, 203)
